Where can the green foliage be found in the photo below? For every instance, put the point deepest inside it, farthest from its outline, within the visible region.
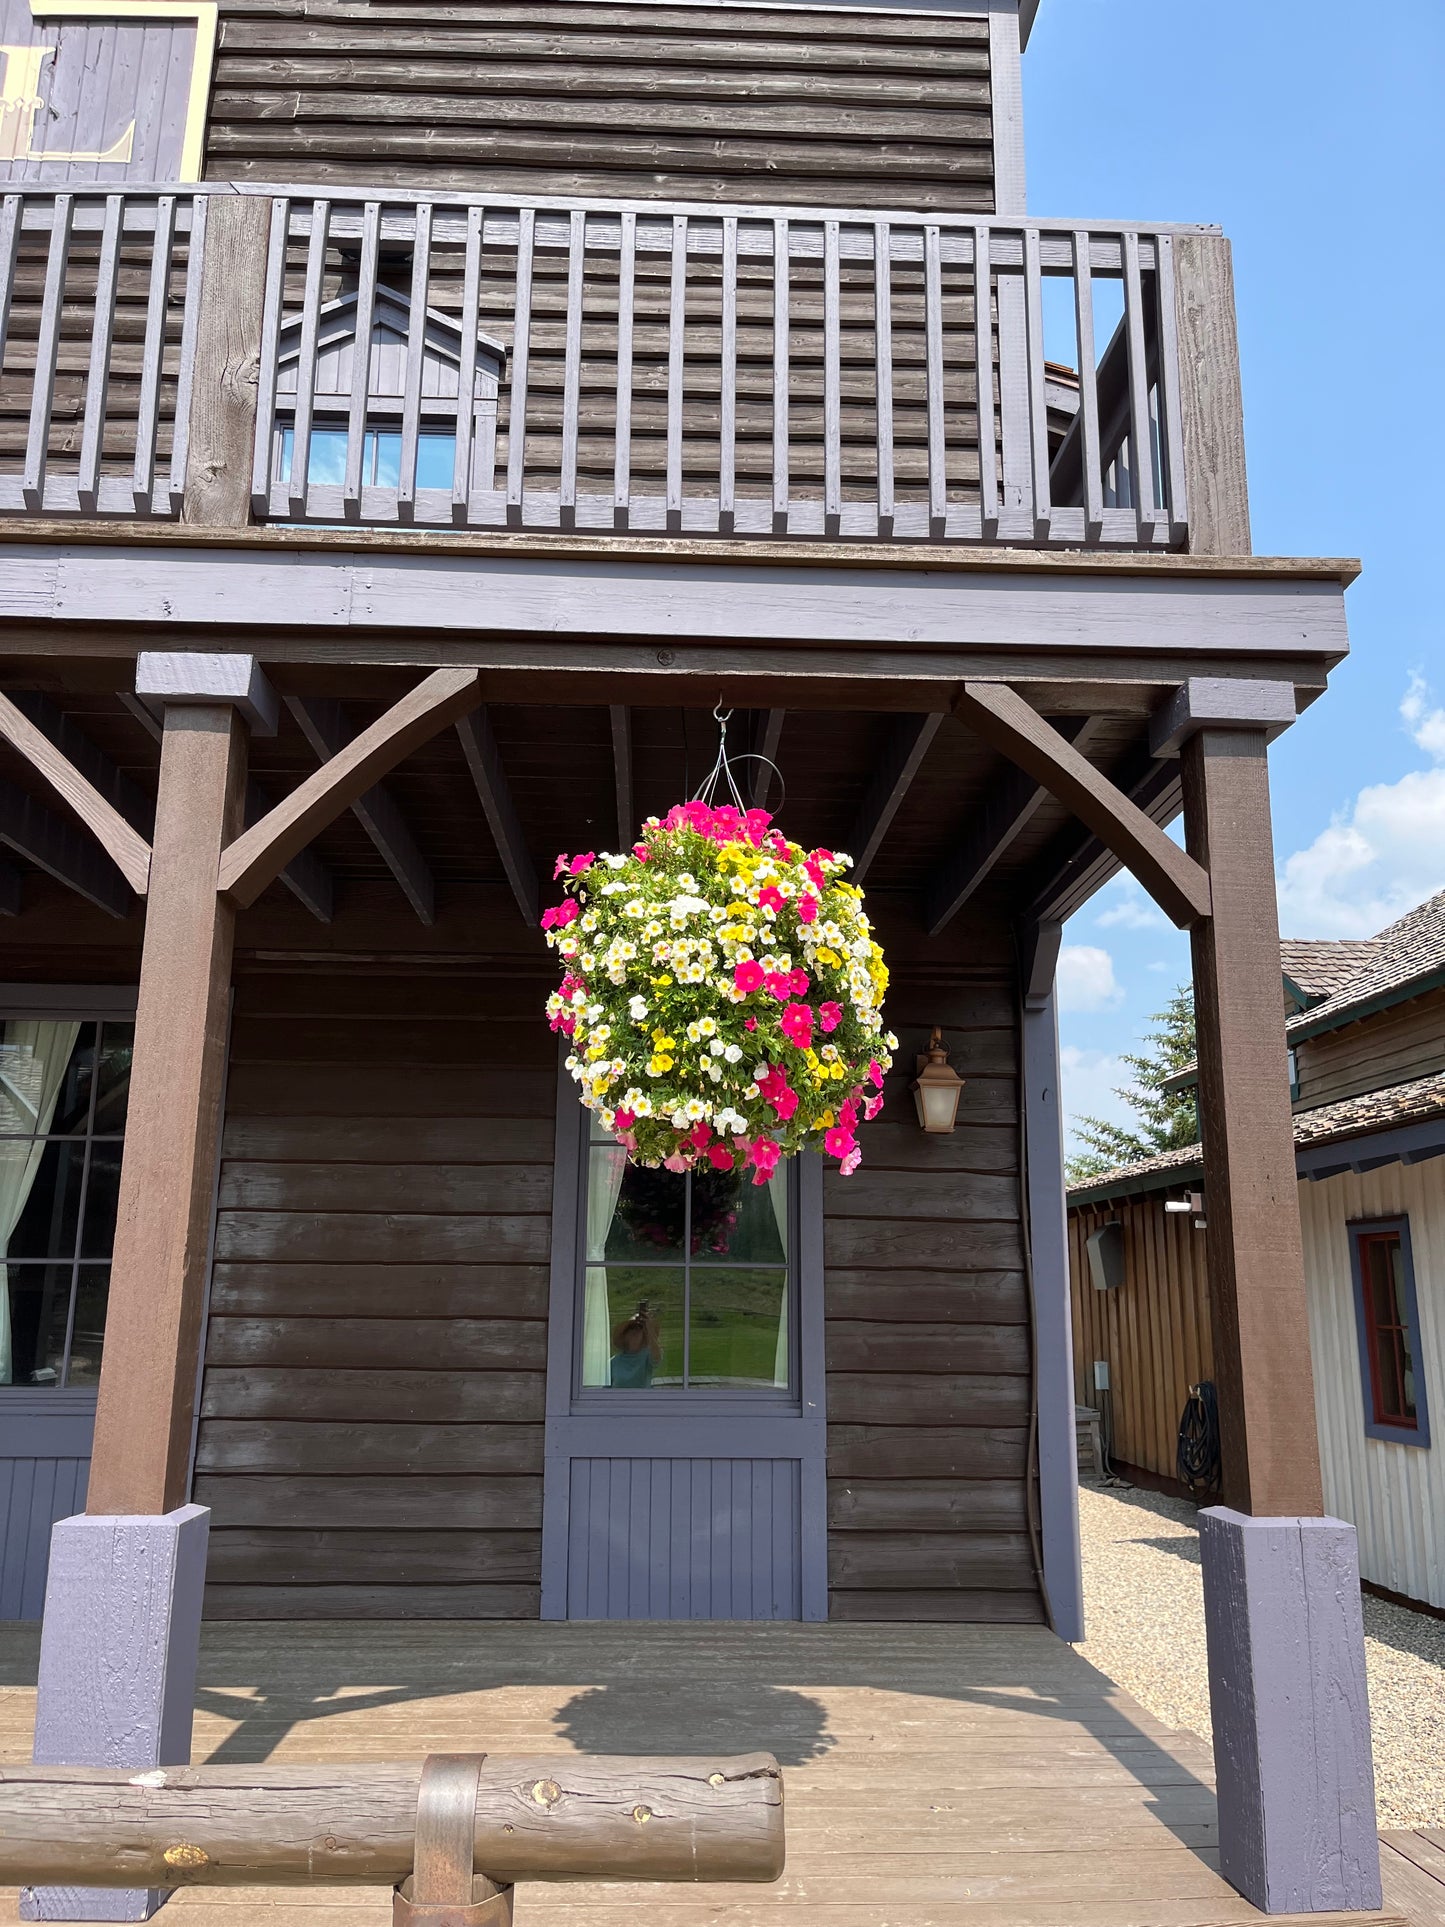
(1164, 1120)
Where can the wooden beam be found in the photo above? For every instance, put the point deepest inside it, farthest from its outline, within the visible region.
(1078, 865)
(1007, 809)
(479, 746)
(1001, 716)
(621, 719)
(221, 420)
(1038, 946)
(127, 849)
(260, 853)
(1211, 399)
(769, 736)
(69, 738)
(147, 1388)
(1270, 1451)
(11, 884)
(54, 844)
(325, 728)
(307, 878)
(907, 745)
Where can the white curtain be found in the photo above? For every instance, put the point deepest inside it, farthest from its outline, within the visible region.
(604, 1181)
(778, 1193)
(33, 1062)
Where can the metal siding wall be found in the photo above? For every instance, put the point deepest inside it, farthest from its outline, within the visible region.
(34, 1493)
(684, 1539)
(1394, 1495)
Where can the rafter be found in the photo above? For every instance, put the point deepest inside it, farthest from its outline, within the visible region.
(126, 847)
(479, 746)
(1001, 716)
(621, 720)
(260, 853)
(769, 736)
(95, 766)
(325, 729)
(54, 844)
(1007, 809)
(908, 741)
(307, 878)
(11, 878)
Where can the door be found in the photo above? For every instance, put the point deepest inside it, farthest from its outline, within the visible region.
(685, 1473)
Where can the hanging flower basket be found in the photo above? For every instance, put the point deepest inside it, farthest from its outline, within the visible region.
(723, 993)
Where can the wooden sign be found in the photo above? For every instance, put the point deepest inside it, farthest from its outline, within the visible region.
(104, 90)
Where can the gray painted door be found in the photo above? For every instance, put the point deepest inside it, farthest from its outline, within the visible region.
(44, 1464)
(685, 1480)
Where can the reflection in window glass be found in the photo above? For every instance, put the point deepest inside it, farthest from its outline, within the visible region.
(686, 1279)
(63, 1089)
(436, 454)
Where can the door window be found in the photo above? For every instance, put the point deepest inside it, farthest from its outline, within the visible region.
(686, 1278)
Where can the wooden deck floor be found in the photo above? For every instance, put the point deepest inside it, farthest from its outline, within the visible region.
(935, 1776)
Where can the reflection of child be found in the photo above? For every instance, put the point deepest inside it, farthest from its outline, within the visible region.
(638, 1350)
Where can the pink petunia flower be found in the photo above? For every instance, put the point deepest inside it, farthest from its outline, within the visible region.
(584, 862)
(796, 1024)
(850, 1163)
(561, 866)
(677, 1162)
(815, 871)
(748, 976)
(700, 1135)
(750, 1023)
(838, 1142)
(720, 1157)
(770, 897)
(779, 985)
(872, 1108)
(799, 981)
(807, 909)
(784, 1102)
(755, 827)
(830, 1015)
(727, 823)
(763, 1155)
(641, 852)
(848, 1115)
(875, 1073)
(778, 844)
(625, 1120)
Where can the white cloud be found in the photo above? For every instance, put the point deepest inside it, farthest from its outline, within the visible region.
(1086, 978)
(1126, 906)
(1384, 853)
(1087, 1079)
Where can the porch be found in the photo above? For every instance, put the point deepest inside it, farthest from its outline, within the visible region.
(935, 1775)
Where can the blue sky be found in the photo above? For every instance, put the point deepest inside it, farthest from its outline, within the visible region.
(1312, 131)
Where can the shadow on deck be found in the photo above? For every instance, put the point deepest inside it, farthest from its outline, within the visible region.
(936, 1776)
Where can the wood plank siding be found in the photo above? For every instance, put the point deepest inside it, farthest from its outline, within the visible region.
(927, 1336)
(1153, 1329)
(715, 104)
(1389, 1047)
(371, 1432)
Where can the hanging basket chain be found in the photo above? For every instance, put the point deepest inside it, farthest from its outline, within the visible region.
(724, 766)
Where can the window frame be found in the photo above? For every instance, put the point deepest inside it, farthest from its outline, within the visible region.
(676, 1400)
(96, 1004)
(1389, 1431)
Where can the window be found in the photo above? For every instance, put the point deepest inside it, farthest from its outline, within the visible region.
(436, 454)
(685, 1284)
(1388, 1321)
(63, 1090)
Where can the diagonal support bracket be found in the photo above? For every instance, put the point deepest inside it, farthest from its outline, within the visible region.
(124, 844)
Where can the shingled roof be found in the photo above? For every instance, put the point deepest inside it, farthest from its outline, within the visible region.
(1403, 960)
(1318, 967)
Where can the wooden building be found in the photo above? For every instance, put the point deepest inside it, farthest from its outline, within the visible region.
(397, 477)
(1364, 1035)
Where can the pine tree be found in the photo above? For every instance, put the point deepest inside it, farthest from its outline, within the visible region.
(1165, 1120)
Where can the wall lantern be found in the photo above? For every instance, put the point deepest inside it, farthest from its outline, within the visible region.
(937, 1088)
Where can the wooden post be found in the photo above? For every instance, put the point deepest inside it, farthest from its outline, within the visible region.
(148, 1370)
(1256, 1263)
(227, 363)
(1212, 401)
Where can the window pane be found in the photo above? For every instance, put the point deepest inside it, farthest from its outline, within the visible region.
(633, 1336)
(739, 1222)
(45, 1075)
(101, 1191)
(737, 1322)
(89, 1327)
(113, 1083)
(32, 1328)
(647, 1218)
(1388, 1374)
(40, 1186)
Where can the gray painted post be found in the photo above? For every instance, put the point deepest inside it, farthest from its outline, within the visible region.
(1053, 1329)
(1297, 1829)
(118, 1655)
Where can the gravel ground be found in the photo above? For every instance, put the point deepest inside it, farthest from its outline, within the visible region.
(1144, 1612)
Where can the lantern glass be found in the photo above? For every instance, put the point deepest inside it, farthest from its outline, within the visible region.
(937, 1101)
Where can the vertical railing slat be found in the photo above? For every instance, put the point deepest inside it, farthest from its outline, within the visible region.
(464, 457)
(883, 370)
(676, 343)
(521, 356)
(572, 363)
(933, 337)
(359, 401)
(143, 468)
(415, 361)
(626, 306)
(12, 219)
(1038, 392)
(306, 354)
(782, 327)
(728, 434)
(270, 345)
(47, 350)
(1141, 436)
(1176, 492)
(832, 381)
(97, 380)
(983, 360)
(186, 359)
(1093, 489)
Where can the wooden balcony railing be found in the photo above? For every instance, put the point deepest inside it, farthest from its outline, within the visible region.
(649, 368)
